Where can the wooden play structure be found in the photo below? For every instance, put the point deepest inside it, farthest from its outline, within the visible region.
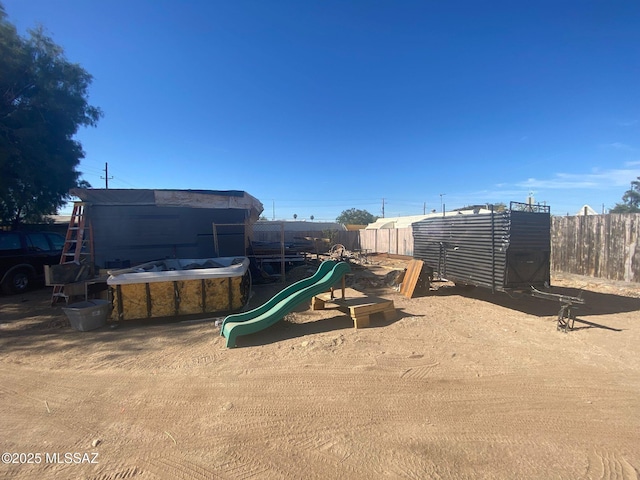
(356, 304)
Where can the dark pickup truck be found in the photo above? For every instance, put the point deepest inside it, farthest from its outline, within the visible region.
(23, 256)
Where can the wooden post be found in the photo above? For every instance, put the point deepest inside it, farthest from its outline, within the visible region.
(317, 304)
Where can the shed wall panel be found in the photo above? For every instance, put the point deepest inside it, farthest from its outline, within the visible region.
(143, 233)
(499, 251)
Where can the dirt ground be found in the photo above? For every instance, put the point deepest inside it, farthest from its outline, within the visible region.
(462, 384)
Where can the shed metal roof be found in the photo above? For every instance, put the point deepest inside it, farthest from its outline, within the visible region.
(222, 199)
(296, 226)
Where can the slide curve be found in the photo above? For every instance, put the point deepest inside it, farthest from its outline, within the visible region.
(283, 302)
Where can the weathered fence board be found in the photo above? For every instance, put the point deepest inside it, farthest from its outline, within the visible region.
(604, 246)
(398, 241)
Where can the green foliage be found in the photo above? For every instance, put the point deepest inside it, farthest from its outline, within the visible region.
(500, 207)
(497, 207)
(354, 216)
(43, 102)
(630, 199)
(332, 235)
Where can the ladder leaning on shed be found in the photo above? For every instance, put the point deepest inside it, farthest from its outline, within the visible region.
(78, 247)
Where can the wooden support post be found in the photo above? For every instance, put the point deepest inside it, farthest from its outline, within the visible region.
(360, 321)
(390, 314)
(317, 304)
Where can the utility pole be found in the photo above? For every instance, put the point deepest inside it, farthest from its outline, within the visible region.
(383, 208)
(441, 204)
(424, 208)
(106, 176)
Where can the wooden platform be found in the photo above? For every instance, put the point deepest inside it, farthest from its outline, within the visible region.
(357, 305)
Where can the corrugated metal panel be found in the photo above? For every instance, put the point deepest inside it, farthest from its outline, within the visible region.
(498, 251)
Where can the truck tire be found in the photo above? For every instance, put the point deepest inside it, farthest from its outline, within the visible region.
(16, 282)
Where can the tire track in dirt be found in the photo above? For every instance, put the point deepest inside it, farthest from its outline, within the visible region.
(245, 467)
(178, 466)
(608, 465)
(413, 366)
(120, 473)
(316, 432)
(295, 464)
(53, 408)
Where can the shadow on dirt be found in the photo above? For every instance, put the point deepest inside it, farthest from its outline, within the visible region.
(285, 330)
(594, 303)
(583, 325)
(29, 322)
(115, 339)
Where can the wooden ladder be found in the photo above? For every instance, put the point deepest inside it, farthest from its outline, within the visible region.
(78, 246)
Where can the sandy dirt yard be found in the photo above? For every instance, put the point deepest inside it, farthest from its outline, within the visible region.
(462, 384)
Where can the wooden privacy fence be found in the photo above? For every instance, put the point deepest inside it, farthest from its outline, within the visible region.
(397, 241)
(604, 246)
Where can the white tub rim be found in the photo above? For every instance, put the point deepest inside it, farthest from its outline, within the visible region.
(134, 275)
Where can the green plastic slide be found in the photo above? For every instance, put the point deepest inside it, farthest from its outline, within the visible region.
(283, 302)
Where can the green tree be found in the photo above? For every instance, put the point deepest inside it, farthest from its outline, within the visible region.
(43, 103)
(500, 207)
(353, 216)
(630, 199)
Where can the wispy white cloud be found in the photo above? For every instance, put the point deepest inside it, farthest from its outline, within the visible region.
(594, 180)
(559, 181)
(620, 146)
(566, 192)
(499, 194)
(628, 123)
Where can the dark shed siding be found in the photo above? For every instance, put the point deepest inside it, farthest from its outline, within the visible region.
(498, 251)
(529, 255)
(461, 248)
(139, 234)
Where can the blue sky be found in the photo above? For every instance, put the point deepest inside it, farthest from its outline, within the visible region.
(314, 107)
